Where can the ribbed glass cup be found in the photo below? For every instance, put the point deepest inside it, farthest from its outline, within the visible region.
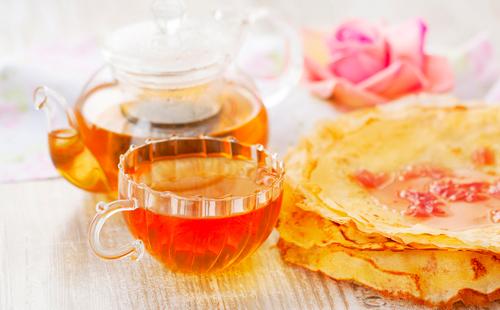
(184, 229)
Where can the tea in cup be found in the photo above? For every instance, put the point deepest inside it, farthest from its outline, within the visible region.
(196, 204)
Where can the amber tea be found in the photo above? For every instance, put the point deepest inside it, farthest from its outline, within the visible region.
(75, 162)
(191, 244)
(107, 128)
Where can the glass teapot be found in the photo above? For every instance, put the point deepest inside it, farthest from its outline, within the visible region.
(174, 75)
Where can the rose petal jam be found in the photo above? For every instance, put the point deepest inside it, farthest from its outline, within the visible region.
(438, 197)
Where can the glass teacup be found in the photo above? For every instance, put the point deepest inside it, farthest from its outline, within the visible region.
(196, 204)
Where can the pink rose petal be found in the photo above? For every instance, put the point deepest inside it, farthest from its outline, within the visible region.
(406, 41)
(350, 96)
(356, 66)
(314, 71)
(355, 30)
(398, 79)
(344, 93)
(358, 50)
(439, 73)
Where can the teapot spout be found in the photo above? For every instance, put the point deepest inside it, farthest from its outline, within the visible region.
(59, 116)
(69, 154)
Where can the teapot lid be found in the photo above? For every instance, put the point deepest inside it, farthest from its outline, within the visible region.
(174, 50)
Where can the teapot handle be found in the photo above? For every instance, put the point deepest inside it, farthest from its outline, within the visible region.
(271, 55)
(104, 211)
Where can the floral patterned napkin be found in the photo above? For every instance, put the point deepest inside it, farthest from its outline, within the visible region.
(23, 136)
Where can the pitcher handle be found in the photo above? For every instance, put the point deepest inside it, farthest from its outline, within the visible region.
(274, 86)
(134, 250)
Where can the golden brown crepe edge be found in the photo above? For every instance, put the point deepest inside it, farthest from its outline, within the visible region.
(467, 296)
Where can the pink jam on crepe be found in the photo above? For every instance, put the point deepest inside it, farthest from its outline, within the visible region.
(443, 199)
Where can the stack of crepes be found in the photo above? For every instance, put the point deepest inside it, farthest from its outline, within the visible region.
(401, 199)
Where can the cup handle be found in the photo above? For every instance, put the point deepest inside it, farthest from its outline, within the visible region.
(134, 250)
(274, 87)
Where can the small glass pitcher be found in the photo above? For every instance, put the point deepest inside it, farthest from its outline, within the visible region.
(196, 204)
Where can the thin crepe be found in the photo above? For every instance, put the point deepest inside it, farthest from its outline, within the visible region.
(388, 139)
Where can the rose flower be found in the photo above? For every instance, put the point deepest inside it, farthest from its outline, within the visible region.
(362, 64)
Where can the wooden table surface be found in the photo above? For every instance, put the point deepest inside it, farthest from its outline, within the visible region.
(46, 263)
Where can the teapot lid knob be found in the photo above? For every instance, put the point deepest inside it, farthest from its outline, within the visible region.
(168, 15)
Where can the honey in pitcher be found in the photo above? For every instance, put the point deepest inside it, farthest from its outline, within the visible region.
(109, 121)
(192, 237)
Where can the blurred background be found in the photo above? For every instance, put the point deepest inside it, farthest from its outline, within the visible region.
(26, 23)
